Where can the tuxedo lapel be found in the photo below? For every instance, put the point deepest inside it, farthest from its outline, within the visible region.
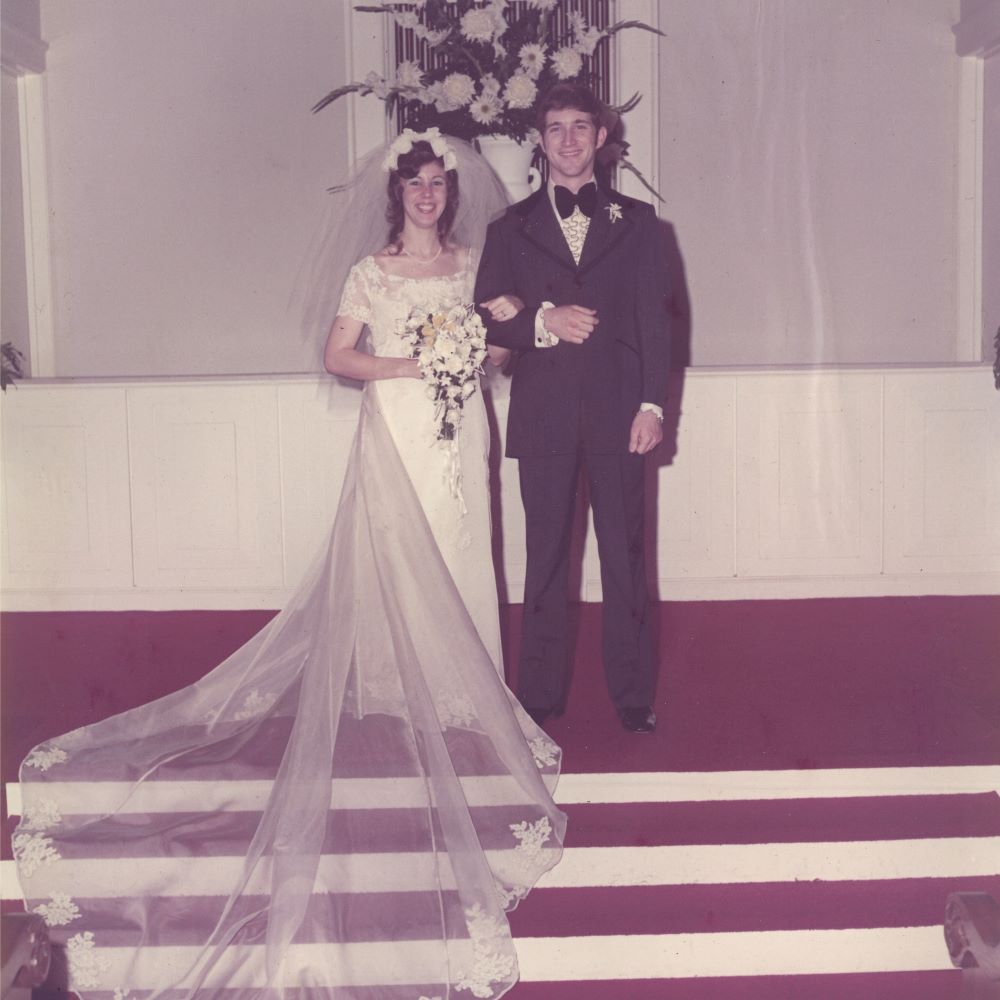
(540, 227)
(608, 227)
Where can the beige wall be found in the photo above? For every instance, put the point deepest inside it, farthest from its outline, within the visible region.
(185, 174)
(809, 163)
(14, 292)
(807, 155)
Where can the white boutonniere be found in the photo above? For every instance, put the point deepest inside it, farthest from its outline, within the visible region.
(614, 212)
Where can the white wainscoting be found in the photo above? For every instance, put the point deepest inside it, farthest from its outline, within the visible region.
(216, 493)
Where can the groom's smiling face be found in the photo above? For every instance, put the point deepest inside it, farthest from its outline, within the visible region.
(570, 141)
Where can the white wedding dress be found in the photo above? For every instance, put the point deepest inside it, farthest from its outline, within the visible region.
(346, 806)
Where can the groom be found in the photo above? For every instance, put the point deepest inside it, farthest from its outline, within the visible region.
(589, 384)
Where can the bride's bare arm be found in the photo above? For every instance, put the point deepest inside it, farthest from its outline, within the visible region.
(502, 308)
(342, 357)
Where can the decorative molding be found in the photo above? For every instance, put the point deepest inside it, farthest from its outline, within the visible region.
(366, 42)
(969, 211)
(978, 33)
(204, 467)
(66, 506)
(942, 478)
(37, 234)
(808, 499)
(636, 70)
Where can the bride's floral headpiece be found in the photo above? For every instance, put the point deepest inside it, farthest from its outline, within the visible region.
(403, 143)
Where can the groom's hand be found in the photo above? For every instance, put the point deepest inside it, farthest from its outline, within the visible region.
(646, 434)
(572, 324)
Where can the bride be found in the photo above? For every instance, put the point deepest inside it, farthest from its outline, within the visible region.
(346, 807)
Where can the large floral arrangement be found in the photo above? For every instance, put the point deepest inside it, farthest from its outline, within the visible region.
(491, 60)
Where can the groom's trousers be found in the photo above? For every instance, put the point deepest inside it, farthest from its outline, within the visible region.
(549, 493)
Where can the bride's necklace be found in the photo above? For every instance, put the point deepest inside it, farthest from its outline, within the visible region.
(424, 260)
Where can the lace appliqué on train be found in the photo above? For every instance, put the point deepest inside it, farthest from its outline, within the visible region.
(33, 851)
(492, 961)
(58, 911)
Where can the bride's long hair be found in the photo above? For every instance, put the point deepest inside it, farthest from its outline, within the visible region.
(407, 167)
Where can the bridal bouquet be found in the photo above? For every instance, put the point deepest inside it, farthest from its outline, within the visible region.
(450, 344)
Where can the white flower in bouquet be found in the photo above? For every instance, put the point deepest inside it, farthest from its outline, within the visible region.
(377, 85)
(567, 63)
(458, 89)
(586, 40)
(521, 91)
(532, 58)
(490, 85)
(409, 75)
(450, 345)
(543, 4)
(486, 108)
(479, 25)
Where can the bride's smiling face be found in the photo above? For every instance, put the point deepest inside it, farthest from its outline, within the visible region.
(425, 196)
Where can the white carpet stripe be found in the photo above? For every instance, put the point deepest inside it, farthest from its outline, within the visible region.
(745, 953)
(720, 786)
(659, 956)
(958, 857)
(955, 857)
(653, 786)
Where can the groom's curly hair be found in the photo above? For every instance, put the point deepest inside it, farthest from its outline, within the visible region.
(407, 167)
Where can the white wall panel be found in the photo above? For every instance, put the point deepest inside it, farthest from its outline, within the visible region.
(942, 473)
(205, 486)
(317, 424)
(217, 494)
(809, 475)
(66, 521)
(693, 505)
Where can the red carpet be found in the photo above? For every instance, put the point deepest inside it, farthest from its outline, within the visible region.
(712, 895)
(744, 685)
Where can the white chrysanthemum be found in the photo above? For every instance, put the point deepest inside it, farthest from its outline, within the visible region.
(409, 74)
(432, 38)
(485, 109)
(567, 63)
(576, 22)
(521, 91)
(478, 25)
(543, 4)
(490, 85)
(586, 41)
(377, 85)
(457, 89)
(532, 58)
(406, 19)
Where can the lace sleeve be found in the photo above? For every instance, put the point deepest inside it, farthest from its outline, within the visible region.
(355, 300)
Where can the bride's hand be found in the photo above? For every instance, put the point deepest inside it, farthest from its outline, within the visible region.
(503, 307)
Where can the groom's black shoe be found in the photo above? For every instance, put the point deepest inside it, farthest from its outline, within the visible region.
(539, 715)
(638, 720)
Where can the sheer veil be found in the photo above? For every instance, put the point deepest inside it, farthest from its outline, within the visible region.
(354, 226)
(349, 804)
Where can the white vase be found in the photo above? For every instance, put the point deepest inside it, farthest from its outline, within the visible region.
(511, 162)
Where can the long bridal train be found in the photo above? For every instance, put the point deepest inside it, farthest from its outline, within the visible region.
(344, 808)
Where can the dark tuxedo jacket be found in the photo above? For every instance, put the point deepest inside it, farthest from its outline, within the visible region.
(575, 396)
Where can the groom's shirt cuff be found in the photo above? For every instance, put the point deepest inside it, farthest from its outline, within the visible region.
(657, 411)
(542, 336)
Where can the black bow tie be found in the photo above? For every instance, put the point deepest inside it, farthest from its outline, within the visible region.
(585, 199)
